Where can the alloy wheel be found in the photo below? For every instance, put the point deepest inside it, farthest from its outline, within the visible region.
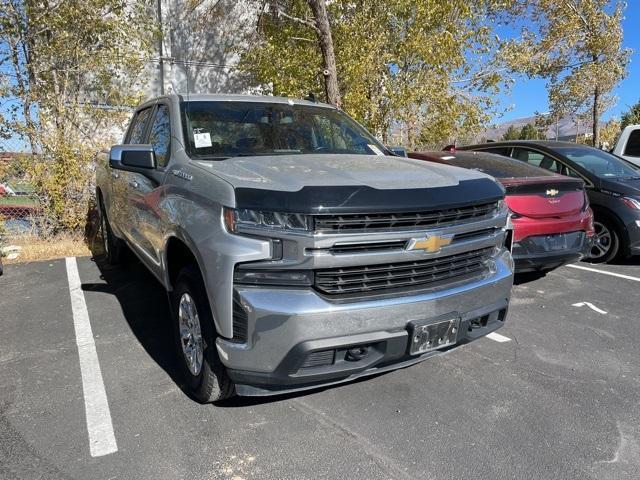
(602, 241)
(190, 334)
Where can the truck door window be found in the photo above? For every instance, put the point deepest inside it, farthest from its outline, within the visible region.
(633, 144)
(138, 126)
(160, 136)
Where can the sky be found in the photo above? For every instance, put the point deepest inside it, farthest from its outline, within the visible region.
(528, 96)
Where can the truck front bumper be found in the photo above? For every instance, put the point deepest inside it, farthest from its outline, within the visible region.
(298, 339)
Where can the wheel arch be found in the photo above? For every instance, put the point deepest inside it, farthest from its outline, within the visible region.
(178, 253)
(601, 211)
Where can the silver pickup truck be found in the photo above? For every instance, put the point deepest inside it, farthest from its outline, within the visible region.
(298, 251)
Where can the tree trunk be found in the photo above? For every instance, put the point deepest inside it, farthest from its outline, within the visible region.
(596, 117)
(319, 9)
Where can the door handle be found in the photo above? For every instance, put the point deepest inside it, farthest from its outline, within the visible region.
(115, 175)
(134, 184)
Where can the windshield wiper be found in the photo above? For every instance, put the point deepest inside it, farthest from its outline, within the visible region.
(210, 157)
(266, 154)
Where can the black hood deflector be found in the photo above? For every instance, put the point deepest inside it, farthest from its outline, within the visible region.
(363, 199)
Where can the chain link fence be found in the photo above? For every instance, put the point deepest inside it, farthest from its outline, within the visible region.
(21, 212)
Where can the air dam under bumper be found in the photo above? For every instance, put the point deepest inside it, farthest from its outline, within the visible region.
(286, 326)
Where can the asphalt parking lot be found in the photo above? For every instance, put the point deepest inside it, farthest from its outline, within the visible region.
(556, 396)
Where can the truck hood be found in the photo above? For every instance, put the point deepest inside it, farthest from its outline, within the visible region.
(351, 184)
(292, 173)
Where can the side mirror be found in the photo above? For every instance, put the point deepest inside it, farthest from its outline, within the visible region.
(132, 158)
(399, 151)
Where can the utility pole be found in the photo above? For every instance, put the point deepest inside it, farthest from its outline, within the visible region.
(160, 49)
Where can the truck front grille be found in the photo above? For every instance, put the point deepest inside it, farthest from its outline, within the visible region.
(400, 221)
(432, 273)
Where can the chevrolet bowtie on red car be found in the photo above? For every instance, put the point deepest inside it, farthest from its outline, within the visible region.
(553, 224)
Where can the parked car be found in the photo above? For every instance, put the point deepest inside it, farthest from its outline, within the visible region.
(552, 221)
(6, 190)
(628, 145)
(296, 250)
(612, 184)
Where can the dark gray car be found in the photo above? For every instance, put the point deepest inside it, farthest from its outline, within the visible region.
(612, 183)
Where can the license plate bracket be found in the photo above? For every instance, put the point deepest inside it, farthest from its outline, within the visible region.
(424, 337)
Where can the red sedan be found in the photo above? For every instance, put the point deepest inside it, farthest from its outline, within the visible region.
(553, 224)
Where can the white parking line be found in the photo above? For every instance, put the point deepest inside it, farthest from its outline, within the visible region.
(496, 337)
(604, 272)
(102, 440)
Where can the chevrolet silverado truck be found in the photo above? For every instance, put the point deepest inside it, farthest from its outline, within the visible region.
(296, 250)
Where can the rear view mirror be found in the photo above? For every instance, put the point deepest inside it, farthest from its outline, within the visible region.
(399, 151)
(133, 158)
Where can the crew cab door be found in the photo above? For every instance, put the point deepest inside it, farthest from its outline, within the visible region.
(119, 213)
(145, 192)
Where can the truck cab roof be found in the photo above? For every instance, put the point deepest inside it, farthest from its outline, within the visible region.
(223, 97)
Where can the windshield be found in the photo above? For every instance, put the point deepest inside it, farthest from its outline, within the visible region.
(219, 129)
(600, 163)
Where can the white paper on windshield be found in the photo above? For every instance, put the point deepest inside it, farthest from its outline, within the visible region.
(202, 140)
(375, 149)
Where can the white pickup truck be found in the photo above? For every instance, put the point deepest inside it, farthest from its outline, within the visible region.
(628, 146)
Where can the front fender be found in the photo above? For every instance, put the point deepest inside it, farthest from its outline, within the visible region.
(201, 228)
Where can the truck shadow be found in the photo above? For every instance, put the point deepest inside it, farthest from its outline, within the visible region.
(145, 308)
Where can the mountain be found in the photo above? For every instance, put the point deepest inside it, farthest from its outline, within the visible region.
(567, 128)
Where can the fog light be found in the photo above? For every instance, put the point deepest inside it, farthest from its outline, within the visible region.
(357, 353)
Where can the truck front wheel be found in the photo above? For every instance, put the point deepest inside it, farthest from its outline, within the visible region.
(205, 377)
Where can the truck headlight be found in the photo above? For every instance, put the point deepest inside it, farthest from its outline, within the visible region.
(255, 219)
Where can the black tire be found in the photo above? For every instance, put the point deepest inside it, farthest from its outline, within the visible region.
(211, 383)
(607, 241)
(112, 246)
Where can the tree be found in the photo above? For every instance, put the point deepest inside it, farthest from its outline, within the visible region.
(69, 70)
(323, 30)
(609, 134)
(578, 48)
(529, 132)
(429, 67)
(512, 133)
(631, 116)
(542, 122)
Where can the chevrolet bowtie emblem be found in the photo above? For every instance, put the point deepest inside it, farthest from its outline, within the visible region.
(429, 243)
(552, 192)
